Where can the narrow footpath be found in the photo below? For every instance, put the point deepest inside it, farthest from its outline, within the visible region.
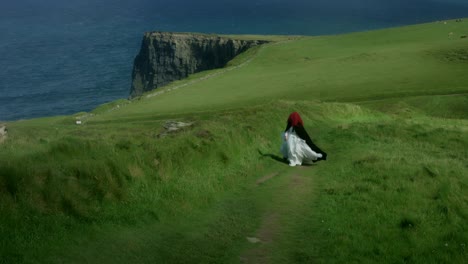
(288, 198)
(262, 223)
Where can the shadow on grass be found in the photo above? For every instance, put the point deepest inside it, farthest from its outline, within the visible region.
(281, 159)
(274, 157)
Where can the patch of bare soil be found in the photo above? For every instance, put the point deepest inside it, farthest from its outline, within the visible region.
(266, 178)
(264, 235)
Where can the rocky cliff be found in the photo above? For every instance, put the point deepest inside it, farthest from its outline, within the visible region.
(166, 57)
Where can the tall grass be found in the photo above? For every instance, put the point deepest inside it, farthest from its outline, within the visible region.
(393, 190)
(124, 177)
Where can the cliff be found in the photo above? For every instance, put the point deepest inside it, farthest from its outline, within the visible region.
(166, 57)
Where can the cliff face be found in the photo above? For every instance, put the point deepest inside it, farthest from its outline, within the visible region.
(166, 57)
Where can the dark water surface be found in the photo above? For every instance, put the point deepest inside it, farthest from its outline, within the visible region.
(62, 57)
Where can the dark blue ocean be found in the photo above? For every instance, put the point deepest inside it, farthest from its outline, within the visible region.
(62, 57)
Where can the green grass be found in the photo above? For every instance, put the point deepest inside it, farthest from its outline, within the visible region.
(382, 64)
(388, 106)
(395, 191)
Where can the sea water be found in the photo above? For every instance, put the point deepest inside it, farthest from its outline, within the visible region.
(61, 57)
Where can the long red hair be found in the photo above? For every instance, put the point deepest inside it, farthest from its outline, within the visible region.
(294, 119)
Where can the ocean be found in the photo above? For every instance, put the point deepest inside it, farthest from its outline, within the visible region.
(63, 57)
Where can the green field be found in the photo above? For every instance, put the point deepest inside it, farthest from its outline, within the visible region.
(390, 107)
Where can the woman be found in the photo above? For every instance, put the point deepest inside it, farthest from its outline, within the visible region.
(297, 146)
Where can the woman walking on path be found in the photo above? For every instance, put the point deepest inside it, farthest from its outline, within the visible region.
(297, 146)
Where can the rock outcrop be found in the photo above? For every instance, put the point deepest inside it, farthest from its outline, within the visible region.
(174, 126)
(166, 57)
(3, 133)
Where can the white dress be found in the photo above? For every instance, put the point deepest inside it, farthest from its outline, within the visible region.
(296, 150)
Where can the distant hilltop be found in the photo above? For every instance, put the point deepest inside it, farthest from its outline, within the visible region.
(165, 57)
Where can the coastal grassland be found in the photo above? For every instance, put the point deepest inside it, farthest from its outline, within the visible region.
(393, 190)
(390, 63)
(62, 183)
(388, 106)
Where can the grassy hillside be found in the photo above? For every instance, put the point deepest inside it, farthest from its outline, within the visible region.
(413, 60)
(390, 107)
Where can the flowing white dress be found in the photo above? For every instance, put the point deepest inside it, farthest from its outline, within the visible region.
(296, 150)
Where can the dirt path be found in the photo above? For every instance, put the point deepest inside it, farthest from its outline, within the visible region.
(215, 235)
(285, 201)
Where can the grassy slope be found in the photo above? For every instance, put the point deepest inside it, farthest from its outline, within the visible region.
(414, 60)
(394, 189)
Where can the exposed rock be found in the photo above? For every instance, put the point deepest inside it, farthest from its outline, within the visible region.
(166, 57)
(253, 240)
(3, 133)
(174, 126)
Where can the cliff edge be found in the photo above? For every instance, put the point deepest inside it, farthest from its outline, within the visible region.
(165, 57)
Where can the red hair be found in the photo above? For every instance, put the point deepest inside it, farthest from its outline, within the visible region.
(295, 119)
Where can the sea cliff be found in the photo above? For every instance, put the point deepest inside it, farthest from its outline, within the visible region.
(165, 57)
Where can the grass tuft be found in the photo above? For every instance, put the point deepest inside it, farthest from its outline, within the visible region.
(408, 223)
